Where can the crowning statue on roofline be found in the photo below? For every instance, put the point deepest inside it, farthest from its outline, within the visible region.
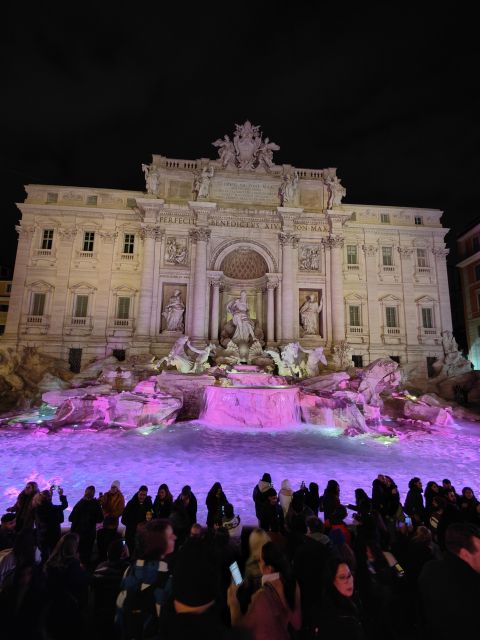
(247, 150)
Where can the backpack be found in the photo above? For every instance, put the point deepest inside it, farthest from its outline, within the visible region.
(145, 588)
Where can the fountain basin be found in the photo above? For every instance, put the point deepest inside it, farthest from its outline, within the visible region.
(251, 406)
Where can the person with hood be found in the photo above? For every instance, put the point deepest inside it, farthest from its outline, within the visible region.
(259, 497)
(285, 496)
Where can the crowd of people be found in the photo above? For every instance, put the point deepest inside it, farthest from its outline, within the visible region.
(402, 569)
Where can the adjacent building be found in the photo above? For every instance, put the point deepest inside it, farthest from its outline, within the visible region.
(468, 246)
(97, 269)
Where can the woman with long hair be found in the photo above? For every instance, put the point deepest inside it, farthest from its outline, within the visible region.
(162, 505)
(23, 507)
(275, 607)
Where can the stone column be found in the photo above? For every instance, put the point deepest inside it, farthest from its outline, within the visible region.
(371, 274)
(200, 236)
(409, 306)
(102, 298)
(26, 233)
(289, 243)
(215, 283)
(65, 252)
(271, 286)
(336, 273)
(440, 255)
(258, 307)
(149, 233)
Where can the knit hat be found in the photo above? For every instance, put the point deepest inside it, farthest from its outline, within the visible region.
(116, 483)
(267, 478)
(194, 576)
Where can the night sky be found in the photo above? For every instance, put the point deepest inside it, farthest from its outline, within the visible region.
(388, 96)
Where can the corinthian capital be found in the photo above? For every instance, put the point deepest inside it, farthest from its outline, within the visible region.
(370, 250)
(441, 252)
(201, 234)
(288, 239)
(25, 230)
(151, 231)
(406, 252)
(334, 242)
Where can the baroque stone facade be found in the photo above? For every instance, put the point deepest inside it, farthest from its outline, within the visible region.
(96, 268)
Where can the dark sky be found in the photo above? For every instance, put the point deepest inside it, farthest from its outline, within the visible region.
(386, 95)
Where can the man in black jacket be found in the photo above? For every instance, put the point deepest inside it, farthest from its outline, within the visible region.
(85, 516)
(136, 512)
(450, 588)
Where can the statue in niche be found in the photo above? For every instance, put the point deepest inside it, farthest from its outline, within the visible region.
(288, 188)
(201, 186)
(226, 151)
(152, 178)
(244, 326)
(309, 312)
(173, 312)
(335, 190)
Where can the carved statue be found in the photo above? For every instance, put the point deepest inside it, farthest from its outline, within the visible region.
(309, 367)
(309, 259)
(184, 363)
(309, 312)
(335, 190)
(226, 151)
(244, 326)
(247, 150)
(453, 363)
(175, 253)
(287, 362)
(202, 182)
(265, 154)
(173, 312)
(288, 188)
(152, 178)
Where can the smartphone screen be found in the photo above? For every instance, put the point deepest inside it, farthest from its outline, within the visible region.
(408, 521)
(236, 575)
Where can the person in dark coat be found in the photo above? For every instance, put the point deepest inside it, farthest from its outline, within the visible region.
(85, 516)
(48, 518)
(216, 502)
(331, 500)
(450, 588)
(162, 505)
(340, 615)
(106, 535)
(414, 506)
(259, 493)
(134, 513)
(7, 531)
(189, 501)
(271, 514)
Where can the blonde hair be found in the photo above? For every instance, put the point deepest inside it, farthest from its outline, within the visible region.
(257, 539)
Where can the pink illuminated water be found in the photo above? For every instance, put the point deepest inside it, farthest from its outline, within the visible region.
(189, 453)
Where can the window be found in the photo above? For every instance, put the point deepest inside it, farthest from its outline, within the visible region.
(478, 330)
(387, 256)
(92, 200)
(354, 313)
(81, 306)
(119, 354)
(357, 361)
(385, 218)
(52, 197)
(395, 358)
(477, 272)
(422, 257)
(427, 318)
(38, 304)
(391, 316)
(128, 243)
(475, 244)
(75, 360)
(123, 308)
(2, 329)
(131, 203)
(418, 220)
(4, 307)
(88, 240)
(9, 288)
(352, 254)
(47, 239)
